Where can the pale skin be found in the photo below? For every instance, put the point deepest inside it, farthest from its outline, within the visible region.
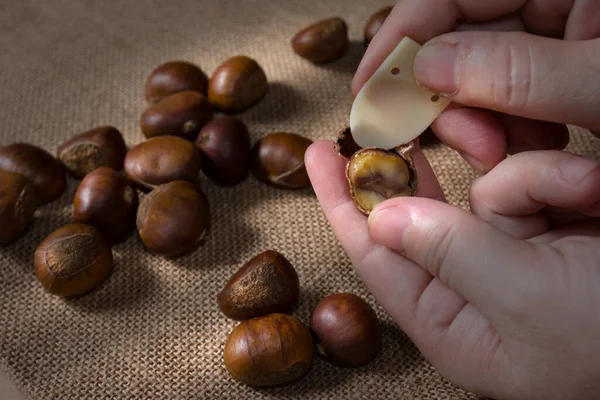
(503, 300)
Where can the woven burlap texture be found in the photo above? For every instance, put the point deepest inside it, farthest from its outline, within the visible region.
(153, 330)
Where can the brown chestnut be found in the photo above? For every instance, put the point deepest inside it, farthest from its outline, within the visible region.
(224, 145)
(73, 260)
(237, 84)
(266, 284)
(174, 77)
(375, 22)
(347, 330)
(323, 41)
(99, 147)
(45, 173)
(161, 160)
(17, 206)
(173, 219)
(106, 200)
(272, 350)
(278, 159)
(181, 114)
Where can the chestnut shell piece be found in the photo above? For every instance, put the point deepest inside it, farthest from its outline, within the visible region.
(323, 41)
(174, 77)
(17, 206)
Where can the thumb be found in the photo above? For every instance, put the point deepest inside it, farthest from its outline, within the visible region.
(516, 73)
(468, 255)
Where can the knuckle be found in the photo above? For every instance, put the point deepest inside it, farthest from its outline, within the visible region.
(440, 248)
(511, 85)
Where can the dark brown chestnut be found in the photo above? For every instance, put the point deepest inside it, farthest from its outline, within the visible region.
(266, 284)
(106, 200)
(173, 219)
(45, 172)
(278, 159)
(99, 147)
(17, 206)
(174, 77)
(161, 160)
(347, 330)
(181, 114)
(224, 145)
(272, 350)
(323, 41)
(375, 22)
(237, 84)
(73, 260)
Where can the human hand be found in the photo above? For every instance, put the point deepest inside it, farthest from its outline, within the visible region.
(512, 91)
(505, 301)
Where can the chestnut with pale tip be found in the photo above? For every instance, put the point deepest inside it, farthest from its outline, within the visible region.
(17, 206)
(174, 77)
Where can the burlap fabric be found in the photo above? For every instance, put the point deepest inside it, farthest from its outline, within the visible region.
(153, 330)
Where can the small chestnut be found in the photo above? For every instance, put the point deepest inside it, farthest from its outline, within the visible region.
(375, 22)
(181, 114)
(99, 147)
(266, 284)
(73, 260)
(323, 41)
(173, 219)
(271, 350)
(224, 145)
(237, 84)
(278, 159)
(17, 206)
(45, 172)
(161, 160)
(174, 77)
(347, 330)
(106, 200)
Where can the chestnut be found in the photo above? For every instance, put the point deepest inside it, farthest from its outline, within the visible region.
(266, 284)
(278, 159)
(173, 219)
(106, 200)
(161, 160)
(174, 77)
(17, 206)
(73, 260)
(347, 330)
(271, 350)
(237, 84)
(375, 22)
(323, 41)
(45, 173)
(99, 147)
(181, 114)
(224, 145)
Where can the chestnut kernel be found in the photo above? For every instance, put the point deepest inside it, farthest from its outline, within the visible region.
(237, 84)
(278, 159)
(17, 206)
(173, 219)
(161, 160)
(45, 173)
(347, 330)
(272, 350)
(73, 260)
(323, 41)
(224, 145)
(375, 23)
(106, 200)
(99, 147)
(266, 284)
(181, 114)
(174, 77)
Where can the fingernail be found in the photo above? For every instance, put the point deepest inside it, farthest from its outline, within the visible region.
(575, 170)
(475, 163)
(436, 68)
(388, 226)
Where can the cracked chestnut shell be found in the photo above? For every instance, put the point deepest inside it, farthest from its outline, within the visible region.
(375, 175)
(266, 284)
(323, 41)
(278, 159)
(17, 206)
(181, 114)
(375, 22)
(106, 200)
(42, 170)
(272, 350)
(174, 77)
(347, 330)
(99, 147)
(73, 260)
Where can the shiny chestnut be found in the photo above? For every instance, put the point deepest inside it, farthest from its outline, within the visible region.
(174, 77)
(375, 22)
(323, 41)
(17, 206)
